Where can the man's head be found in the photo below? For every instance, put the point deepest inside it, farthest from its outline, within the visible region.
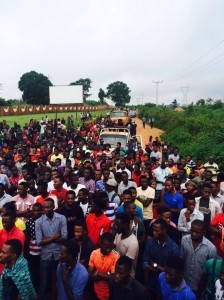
(174, 271)
(159, 229)
(122, 222)
(127, 195)
(42, 188)
(106, 243)
(98, 205)
(70, 198)
(87, 173)
(170, 163)
(82, 194)
(80, 230)
(124, 177)
(10, 251)
(111, 185)
(144, 182)
(197, 230)
(130, 209)
(58, 182)
(69, 251)
(8, 220)
(169, 187)
(190, 204)
(36, 210)
(22, 189)
(123, 270)
(211, 160)
(133, 192)
(164, 212)
(48, 207)
(206, 191)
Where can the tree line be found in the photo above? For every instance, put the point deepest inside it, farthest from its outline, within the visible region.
(35, 90)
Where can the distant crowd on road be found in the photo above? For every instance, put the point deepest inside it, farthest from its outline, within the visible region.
(80, 220)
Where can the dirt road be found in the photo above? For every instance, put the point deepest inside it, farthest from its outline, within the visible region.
(145, 133)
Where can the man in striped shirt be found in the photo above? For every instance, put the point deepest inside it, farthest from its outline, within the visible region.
(34, 249)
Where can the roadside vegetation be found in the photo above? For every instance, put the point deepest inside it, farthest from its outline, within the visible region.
(198, 130)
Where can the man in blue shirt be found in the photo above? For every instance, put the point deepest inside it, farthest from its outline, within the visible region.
(173, 199)
(72, 276)
(157, 251)
(172, 286)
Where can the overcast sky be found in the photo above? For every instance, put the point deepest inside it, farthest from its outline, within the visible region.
(179, 42)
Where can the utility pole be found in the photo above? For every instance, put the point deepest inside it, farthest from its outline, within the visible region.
(185, 90)
(157, 89)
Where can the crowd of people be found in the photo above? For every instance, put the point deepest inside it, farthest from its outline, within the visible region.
(80, 220)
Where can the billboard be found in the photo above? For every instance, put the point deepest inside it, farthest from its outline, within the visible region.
(66, 94)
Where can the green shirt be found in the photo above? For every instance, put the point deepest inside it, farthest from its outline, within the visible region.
(208, 271)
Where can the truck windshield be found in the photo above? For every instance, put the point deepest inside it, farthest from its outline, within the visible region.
(113, 139)
(118, 114)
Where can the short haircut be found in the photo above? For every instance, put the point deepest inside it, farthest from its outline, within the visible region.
(84, 191)
(107, 236)
(72, 248)
(43, 184)
(124, 173)
(103, 195)
(127, 192)
(132, 188)
(70, 192)
(143, 177)
(161, 209)
(10, 206)
(37, 205)
(198, 223)
(2, 185)
(100, 203)
(61, 178)
(161, 222)
(206, 185)
(24, 184)
(11, 214)
(49, 200)
(190, 198)
(175, 262)
(125, 261)
(125, 219)
(16, 246)
(81, 223)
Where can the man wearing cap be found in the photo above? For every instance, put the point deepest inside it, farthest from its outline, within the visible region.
(110, 189)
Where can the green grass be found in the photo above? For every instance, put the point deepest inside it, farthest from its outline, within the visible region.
(22, 119)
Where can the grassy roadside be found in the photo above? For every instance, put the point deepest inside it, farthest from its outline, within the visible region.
(22, 119)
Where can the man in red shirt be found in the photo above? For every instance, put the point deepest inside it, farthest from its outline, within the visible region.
(59, 191)
(10, 231)
(97, 223)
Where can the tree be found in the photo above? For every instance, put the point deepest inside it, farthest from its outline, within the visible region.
(118, 92)
(174, 104)
(200, 102)
(86, 83)
(35, 88)
(101, 95)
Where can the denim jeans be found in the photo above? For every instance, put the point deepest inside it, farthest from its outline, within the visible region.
(47, 273)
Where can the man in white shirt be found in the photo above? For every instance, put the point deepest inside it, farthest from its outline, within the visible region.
(125, 183)
(188, 215)
(161, 174)
(156, 154)
(146, 195)
(175, 156)
(211, 165)
(122, 165)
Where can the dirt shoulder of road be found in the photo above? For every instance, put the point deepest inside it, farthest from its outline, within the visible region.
(147, 131)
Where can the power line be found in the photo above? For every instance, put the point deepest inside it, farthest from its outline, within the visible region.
(157, 89)
(185, 90)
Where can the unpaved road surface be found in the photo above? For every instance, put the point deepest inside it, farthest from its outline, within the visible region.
(145, 133)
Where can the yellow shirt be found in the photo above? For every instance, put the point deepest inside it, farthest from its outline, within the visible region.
(19, 224)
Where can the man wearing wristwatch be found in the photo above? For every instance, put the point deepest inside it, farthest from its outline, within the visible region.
(157, 250)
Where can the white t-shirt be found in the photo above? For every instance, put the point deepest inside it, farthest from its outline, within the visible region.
(148, 193)
(79, 187)
(128, 247)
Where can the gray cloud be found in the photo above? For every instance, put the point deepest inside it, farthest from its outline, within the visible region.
(132, 41)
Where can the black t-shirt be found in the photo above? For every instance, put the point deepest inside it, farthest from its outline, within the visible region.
(72, 215)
